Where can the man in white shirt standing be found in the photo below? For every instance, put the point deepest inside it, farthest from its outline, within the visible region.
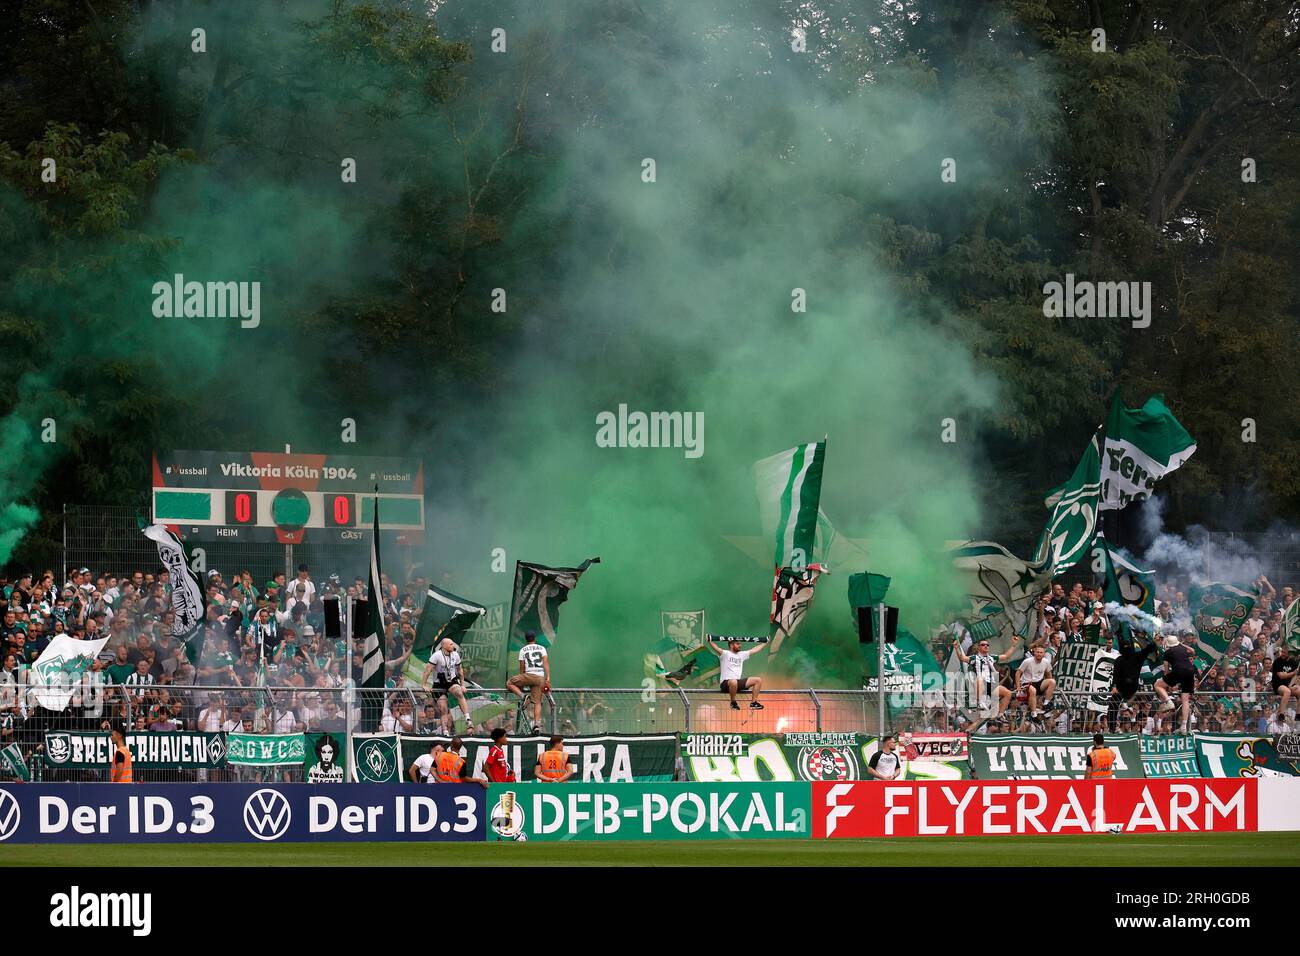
(448, 676)
(212, 717)
(731, 667)
(534, 674)
(989, 692)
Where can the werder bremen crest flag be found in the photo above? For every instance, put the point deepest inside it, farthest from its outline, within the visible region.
(189, 603)
(372, 650)
(789, 487)
(444, 616)
(60, 667)
(1218, 611)
(1142, 446)
(1003, 592)
(1070, 529)
(539, 592)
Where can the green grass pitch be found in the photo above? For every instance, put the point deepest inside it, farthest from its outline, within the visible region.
(1217, 849)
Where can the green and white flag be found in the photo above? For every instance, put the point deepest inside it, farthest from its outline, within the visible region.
(789, 486)
(265, 750)
(12, 763)
(59, 669)
(535, 604)
(372, 651)
(444, 616)
(1142, 446)
(1073, 522)
(189, 602)
(1002, 590)
(1291, 625)
(1218, 611)
(1126, 583)
(680, 659)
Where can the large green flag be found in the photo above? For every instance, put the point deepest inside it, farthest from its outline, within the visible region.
(1291, 625)
(1002, 590)
(1128, 586)
(1125, 582)
(1218, 611)
(372, 651)
(1142, 446)
(789, 486)
(1073, 522)
(535, 603)
(909, 665)
(443, 616)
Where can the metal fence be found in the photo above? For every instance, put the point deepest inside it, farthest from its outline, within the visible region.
(285, 710)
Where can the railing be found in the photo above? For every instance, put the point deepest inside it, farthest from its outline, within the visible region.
(572, 711)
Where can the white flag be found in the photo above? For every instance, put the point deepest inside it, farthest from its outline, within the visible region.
(59, 669)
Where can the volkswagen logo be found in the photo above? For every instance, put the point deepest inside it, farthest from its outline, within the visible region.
(267, 814)
(10, 815)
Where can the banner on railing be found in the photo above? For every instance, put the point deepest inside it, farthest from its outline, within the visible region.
(186, 750)
(1085, 672)
(977, 808)
(1010, 757)
(265, 750)
(238, 813)
(1169, 755)
(648, 811)
(601, 758)
(816, 756)
(1236, 755)
(325, 758)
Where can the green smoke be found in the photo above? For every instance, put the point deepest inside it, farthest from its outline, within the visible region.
(775, 171)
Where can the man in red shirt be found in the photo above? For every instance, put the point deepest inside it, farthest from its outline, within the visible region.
(496, 767)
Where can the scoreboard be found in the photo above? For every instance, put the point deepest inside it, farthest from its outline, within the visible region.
(287, 497)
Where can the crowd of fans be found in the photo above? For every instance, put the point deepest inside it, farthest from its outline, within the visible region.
(1234, 695)
(272, 635)
(257, 636)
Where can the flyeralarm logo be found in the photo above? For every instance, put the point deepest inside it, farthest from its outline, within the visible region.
(75, 910)
(984, 808)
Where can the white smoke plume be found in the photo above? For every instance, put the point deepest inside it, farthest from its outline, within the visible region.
(1198, 556)
(1135, 617)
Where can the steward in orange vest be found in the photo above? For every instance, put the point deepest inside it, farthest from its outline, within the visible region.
(553, 764)
(120, 772)
(1101, 760)
(449, 765)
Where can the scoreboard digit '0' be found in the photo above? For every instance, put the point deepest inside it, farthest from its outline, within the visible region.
(287, 497)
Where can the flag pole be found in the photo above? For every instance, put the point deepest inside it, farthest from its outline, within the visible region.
(348, 691)
(881, 612)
